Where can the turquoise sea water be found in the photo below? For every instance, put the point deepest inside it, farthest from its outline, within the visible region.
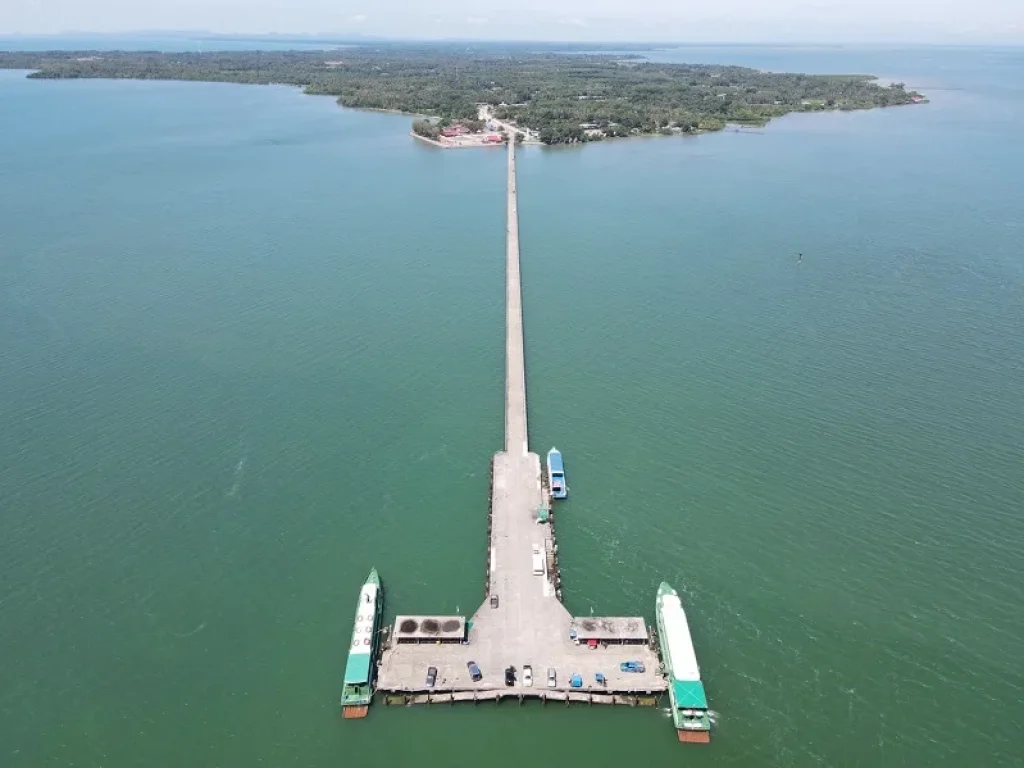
(252, 346)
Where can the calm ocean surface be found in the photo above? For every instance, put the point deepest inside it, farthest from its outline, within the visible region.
(251, 345)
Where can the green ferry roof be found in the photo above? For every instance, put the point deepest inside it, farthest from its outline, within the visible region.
(689, 694)
(357, 670)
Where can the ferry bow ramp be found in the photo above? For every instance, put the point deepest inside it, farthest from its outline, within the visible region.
(521, 642)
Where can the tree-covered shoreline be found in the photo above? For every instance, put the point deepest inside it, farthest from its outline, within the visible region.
(561, 97)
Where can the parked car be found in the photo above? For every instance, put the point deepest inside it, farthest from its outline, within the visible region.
(510, 676)
(527, 675)
(552, 682)
(631, 666)
(431, 677)
(474, 671)
(494, 601)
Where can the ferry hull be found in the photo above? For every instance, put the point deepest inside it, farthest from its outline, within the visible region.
(357, 691)
(686, 691)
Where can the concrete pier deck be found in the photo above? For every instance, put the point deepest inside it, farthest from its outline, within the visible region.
(529, 625)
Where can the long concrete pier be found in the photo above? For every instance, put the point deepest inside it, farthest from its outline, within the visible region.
(522, 620)
(515, 353)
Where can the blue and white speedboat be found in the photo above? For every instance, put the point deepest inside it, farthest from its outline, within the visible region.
(556, 475)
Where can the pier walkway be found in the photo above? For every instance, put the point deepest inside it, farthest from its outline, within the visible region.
(529, 625)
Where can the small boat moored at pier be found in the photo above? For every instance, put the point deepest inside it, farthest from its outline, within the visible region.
(357, 692)
(556, 475)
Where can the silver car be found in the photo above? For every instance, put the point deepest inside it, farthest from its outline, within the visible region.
(552, 680)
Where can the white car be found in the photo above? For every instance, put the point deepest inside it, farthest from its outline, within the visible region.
(552, 682)
(527, 675)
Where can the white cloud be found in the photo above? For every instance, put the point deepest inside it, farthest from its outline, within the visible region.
(476, 20)
(359, 18)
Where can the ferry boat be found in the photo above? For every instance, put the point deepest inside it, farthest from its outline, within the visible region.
(556, 475)
(358, 687)
(686, 691)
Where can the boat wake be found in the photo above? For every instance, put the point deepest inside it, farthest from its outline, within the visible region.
(237, 477)
(195, 631)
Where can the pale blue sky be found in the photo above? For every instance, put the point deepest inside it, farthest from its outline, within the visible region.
(638, 20)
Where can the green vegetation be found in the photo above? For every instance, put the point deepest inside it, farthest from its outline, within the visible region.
(427, 128)
(563, 97)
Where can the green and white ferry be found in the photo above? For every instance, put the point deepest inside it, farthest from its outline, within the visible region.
(685, 689)
(357, 692)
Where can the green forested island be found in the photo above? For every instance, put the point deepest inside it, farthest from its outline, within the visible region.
(561, 97)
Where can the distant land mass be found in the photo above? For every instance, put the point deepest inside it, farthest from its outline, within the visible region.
(558, 97)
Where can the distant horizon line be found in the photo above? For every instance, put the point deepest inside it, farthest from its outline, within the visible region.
(340, 37)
